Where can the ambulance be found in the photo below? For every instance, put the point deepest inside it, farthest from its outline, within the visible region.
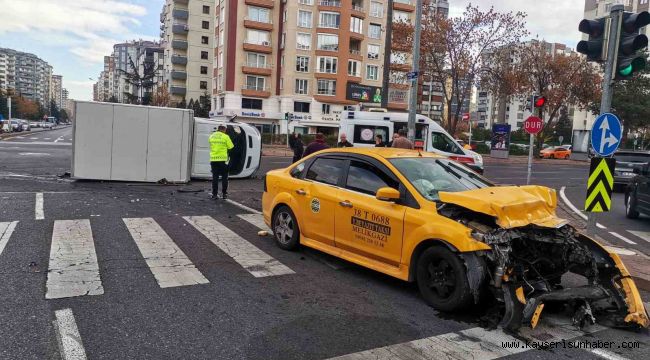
(361, 127)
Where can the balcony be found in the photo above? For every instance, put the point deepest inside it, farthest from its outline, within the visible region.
(179, 60)
(177, 90)
(358, 10)
(400, 67)
(356, 36)
(257, 69)
(329, 5)
(261, 3)
(179, 44)
(179, 75)
(258, 25)
(263, 47)
(180, 29)
(255, 91)
(181, 2)
(181, 14)
(404, 5)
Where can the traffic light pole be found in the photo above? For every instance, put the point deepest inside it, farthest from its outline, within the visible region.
(606, 100)
(413, 100)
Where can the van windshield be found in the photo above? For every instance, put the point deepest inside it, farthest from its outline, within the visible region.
(444, 143)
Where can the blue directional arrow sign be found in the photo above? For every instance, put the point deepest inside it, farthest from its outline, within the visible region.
(606, 134)
(412, 75)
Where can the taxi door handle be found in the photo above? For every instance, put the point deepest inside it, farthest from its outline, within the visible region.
(301, 192)
(346, 204)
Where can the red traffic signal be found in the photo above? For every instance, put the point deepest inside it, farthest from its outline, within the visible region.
(539, 101)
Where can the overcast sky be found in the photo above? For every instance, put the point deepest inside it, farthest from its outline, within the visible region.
(74, 35)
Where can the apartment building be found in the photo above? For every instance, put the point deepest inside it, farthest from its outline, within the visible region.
(26, 74)
(599, 8)
(187, 35)
(57, 90)
(309, 58)
(6, 72)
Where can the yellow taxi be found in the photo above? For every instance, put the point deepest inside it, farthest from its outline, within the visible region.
(421, 217)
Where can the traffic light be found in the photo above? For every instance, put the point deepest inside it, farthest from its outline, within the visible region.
(286, 116)
(539, 101)
(630, 59)
(593, 47)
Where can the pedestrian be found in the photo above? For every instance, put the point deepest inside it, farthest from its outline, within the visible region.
(379, 141)
(220, 144)
(344, 142)
(401, 142)
(297, 146)
(317, 145)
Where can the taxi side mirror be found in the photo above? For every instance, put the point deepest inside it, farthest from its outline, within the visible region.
(387, 194)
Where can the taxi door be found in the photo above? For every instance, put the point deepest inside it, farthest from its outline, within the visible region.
(318, 198)
(364, 225)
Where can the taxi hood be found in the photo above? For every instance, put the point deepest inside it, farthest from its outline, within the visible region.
(511, 206)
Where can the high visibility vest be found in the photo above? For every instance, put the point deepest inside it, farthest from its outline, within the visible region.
(220, 143)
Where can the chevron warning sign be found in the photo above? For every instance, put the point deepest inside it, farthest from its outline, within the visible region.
(600, 185)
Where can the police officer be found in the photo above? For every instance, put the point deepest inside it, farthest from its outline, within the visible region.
(220, 143)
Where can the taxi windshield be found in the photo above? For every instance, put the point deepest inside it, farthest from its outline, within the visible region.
(431, 176)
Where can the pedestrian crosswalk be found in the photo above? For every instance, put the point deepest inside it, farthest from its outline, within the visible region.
(74, 268)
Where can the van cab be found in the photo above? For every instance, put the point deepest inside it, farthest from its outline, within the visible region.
(361, 127)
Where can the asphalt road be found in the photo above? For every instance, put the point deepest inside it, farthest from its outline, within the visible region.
(169, 287)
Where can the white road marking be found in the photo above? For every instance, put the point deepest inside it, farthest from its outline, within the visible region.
(645, 235)
(73, 268)
(243, 207)
(254, 260)
(167, 262)
(474, 343)
(33, 138)
(47, 139)
(608, 355)
(6, 229)
(70, 344)
(35, 143)
(575, 209)
(38, 208)
(619, 236)
(33, 154)
(619, 251)
(256, 220)
(60, 138)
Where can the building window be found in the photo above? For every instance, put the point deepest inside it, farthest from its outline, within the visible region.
(356, 25)
(326, 87)
(252, 104)
(255, 83)
(206, 9)
(203, 85)
(400, 16)
(205, 40)
(220, 59)
(256, 60)
(221, 38)
(258, 37)
(376, 9)
(372, 72)
(374, 31)
(258, 14)
(222, 102)
(327, 64)
(373, 51)
(204, 55)
(304, 18)
(397, 57)
(306, 2)
(302, 86)
(354, 68)
(325, 108)
(303, 41)
(222, 15)
(329, 20)
(328, 42)
(204, 70)
(205, 24)
(302, 63)
(299, 106)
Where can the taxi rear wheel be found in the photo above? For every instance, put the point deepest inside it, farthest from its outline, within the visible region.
(442, 279)
(285, 229)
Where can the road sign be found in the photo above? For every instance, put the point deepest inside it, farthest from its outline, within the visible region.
(533, 125)
(412, 75)
(606, 134)
(465, 116)
(600, 185)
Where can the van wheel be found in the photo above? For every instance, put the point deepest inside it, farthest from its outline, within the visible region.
(442, 279)
(285, 229)
(630, 206)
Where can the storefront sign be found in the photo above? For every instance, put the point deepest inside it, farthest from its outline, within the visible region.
(363, 93)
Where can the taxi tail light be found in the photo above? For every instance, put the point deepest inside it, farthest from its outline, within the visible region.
(463, 159)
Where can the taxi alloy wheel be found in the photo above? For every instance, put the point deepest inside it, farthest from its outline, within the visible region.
(630, 206)
(285, 229)
(442, 279)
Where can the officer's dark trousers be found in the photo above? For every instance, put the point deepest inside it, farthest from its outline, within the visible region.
(219, 168)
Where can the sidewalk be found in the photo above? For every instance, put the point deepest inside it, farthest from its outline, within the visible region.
(276, 150)
(512, 159)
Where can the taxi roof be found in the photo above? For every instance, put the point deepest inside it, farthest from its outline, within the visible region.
(387, 153)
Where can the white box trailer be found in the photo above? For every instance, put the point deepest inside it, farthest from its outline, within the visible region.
(131, 143)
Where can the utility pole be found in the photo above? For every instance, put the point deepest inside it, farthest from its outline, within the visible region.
(388, 41)
(413, 100)
(606, 100)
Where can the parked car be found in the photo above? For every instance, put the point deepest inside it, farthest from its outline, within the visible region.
(24, 124)
(47, 125)
(16, 126)
(637, 192)
(34, 124)
(555, 152)
(626, 162)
